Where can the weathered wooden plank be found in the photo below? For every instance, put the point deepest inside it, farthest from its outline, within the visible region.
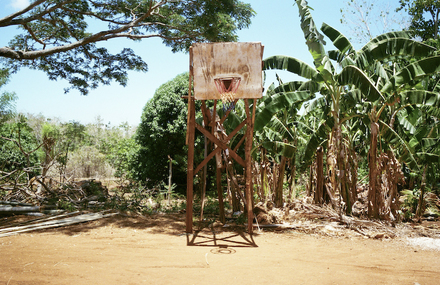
(18, 210)
(218, 60)
(190, 166)
(221, 144)
(207, 159)
(15, 203)
(41, 219)
(54, 224)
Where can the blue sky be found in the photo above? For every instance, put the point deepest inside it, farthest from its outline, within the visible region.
(276, 26)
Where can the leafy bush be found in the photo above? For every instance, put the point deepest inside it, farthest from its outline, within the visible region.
(16, 135)
(162, 133)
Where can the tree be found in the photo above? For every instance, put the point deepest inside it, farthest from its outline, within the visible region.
(162, 133)
(7, 99)
(361, 82)
(59, 39)
(276, 130)
(19, 151)
(366, 19)
(420, 11)
(87, 162)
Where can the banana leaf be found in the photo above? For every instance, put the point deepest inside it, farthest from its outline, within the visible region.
(290, 64)
(407, 153)
(314, 39)
(276, 103)
(339, 40)
(318, 138)
(391, 48)
(412, 73)
(351, 75)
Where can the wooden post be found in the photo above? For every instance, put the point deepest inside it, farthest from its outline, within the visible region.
(190, 177)
(220, 193)
(248, 161)
(204, 178)
(190, 133)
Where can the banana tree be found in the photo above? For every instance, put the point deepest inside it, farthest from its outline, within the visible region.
(338, 89)
(276, 134)
(327, 81)
(399, 88)
(418, 121)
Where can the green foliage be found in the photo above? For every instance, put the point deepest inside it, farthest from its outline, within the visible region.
(162, 133)
(56, 37)
(121, 155)
(145, 201)
(424, 17)
(67, 148)
(13, 136)
(410, 200)
(7, 99)
(65, 205)
(73, 134)
(380, 83)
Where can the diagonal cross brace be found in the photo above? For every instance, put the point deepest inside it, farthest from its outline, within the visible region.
(220, 144)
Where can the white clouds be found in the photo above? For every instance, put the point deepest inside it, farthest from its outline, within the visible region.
(19, 4)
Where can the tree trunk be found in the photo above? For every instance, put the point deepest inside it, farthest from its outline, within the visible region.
(292, 185)
(279, 199)
(310, 184)
(421, 204)
(331, 163)
(234, 188)
(343, 179)
(273, 186)
(264, 180)
(170, 175)
(319, 192)
(353, 167)
(373, 205)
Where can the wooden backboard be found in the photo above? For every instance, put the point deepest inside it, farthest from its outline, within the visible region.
(221, 60)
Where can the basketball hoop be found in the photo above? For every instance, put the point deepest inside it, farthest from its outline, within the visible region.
(227, 87)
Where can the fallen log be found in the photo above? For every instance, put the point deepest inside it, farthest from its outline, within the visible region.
(10, 210)
(276, 226)
(53, 224)
(41, 219)
(13, 203)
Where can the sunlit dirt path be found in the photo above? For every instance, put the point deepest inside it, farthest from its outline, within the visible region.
(123, 250)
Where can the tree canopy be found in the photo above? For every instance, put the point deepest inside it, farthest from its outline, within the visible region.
(424, 17)
(60, 37)
(7, 99)
(161, 133)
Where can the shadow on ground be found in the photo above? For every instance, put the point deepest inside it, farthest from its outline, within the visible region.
(159, 223)
(221, 240)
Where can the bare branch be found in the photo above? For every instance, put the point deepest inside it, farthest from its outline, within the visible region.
(12, 22)
(31, 32)
(19, 13)
(18, 144)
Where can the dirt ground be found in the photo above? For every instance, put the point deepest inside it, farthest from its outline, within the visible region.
(155, 250)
